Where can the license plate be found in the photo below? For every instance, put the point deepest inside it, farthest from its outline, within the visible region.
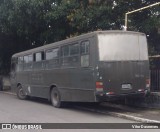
(126, 86)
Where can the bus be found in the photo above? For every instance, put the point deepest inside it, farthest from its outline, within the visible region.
(93, 67)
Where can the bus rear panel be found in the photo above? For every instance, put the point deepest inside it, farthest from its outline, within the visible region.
(123, 66)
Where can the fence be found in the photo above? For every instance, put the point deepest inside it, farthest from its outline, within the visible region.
(155, 80)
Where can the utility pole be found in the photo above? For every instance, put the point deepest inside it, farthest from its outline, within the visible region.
(126, 14)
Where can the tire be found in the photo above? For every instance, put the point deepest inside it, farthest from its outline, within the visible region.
(56, 98)
(20, 93)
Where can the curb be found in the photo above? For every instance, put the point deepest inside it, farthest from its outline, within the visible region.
(5, 92)
(120, 115)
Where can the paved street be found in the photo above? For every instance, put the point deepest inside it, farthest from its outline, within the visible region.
(34, 111)
(13, 110)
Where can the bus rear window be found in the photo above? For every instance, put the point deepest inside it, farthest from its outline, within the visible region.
(122, 47)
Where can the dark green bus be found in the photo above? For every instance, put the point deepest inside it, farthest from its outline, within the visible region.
(93, 67)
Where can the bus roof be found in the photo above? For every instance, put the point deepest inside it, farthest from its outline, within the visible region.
(74, 39)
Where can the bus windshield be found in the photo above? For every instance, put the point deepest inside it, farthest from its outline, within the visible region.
(122, 47)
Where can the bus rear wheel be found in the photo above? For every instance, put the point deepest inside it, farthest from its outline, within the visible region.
(56, 98)
(20, 93)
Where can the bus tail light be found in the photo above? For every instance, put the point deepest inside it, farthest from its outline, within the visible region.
(99, 86)
(147, 83)
(110, 93)
(140, 90)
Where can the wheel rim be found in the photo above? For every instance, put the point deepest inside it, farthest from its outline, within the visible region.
(55, 98)
(21, 93)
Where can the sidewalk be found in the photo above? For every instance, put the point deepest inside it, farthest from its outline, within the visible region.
(141, 114)
(147, 108)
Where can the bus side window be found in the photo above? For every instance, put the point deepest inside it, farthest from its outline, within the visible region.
(52, 53)
(65, 51)
(52, 58)
(74, 49)
(85, 53)
(38, 56)
(28, 59)
(74, 54)
(20, 64)
(65, 55)
(70, 55)
(38, 60)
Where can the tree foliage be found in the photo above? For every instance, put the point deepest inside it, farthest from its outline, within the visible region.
(25, 24)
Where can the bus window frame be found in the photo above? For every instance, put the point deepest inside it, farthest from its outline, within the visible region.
(42, 56)
(85, 54)
(58, 53)
(35, 62)
(85, 47)
(63, 58)
(20, 62)
(50, 63)
(29, 63)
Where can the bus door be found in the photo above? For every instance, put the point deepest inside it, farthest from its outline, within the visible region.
(37, 76)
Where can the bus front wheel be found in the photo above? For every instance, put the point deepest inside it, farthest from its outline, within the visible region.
(20, 93)
(56, 98)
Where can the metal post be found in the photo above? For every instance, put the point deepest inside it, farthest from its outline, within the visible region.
(126, 19)
(158, 3)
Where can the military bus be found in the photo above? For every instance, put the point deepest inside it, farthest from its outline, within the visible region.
(92, 67)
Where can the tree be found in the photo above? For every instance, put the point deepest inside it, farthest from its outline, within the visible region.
(25, 24)
(146, 21)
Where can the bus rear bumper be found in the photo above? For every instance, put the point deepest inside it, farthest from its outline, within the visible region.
(104, 97)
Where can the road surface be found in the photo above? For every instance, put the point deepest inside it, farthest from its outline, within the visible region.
(13, 110)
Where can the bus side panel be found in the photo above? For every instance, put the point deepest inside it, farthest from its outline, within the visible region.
(39, 88)
(75, 83)
(79, 86)
(23, 79)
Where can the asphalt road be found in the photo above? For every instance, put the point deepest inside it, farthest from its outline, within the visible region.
(13, 110)
(40, 111)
